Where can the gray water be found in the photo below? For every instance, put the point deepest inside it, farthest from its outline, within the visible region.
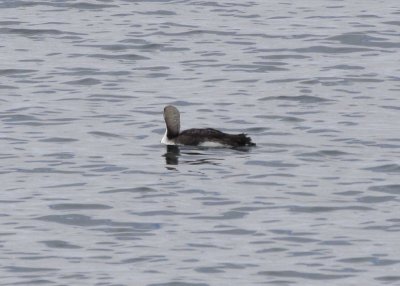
(89, 196)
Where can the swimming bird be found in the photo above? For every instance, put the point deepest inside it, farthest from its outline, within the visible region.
(198, 137)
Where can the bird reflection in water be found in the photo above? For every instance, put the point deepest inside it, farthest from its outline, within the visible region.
(172, 155)
(193, 157)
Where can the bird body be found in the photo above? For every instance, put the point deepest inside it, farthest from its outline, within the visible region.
(198, 137)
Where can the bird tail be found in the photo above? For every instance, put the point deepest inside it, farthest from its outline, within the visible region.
(243, 140)
(248, 141)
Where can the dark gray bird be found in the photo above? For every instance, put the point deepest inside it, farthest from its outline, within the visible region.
(198, 137)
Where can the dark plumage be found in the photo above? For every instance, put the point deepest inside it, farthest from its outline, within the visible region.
(197, 137)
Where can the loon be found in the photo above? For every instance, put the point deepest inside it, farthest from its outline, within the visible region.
(198, 137)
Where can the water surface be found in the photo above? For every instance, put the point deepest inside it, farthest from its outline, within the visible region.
(90, 197)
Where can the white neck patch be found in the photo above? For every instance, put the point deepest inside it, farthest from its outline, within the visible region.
(167, 141)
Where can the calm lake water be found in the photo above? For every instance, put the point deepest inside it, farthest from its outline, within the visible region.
(89, 196)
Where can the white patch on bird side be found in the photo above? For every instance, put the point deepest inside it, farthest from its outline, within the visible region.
(211, 144)
(166, 141)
